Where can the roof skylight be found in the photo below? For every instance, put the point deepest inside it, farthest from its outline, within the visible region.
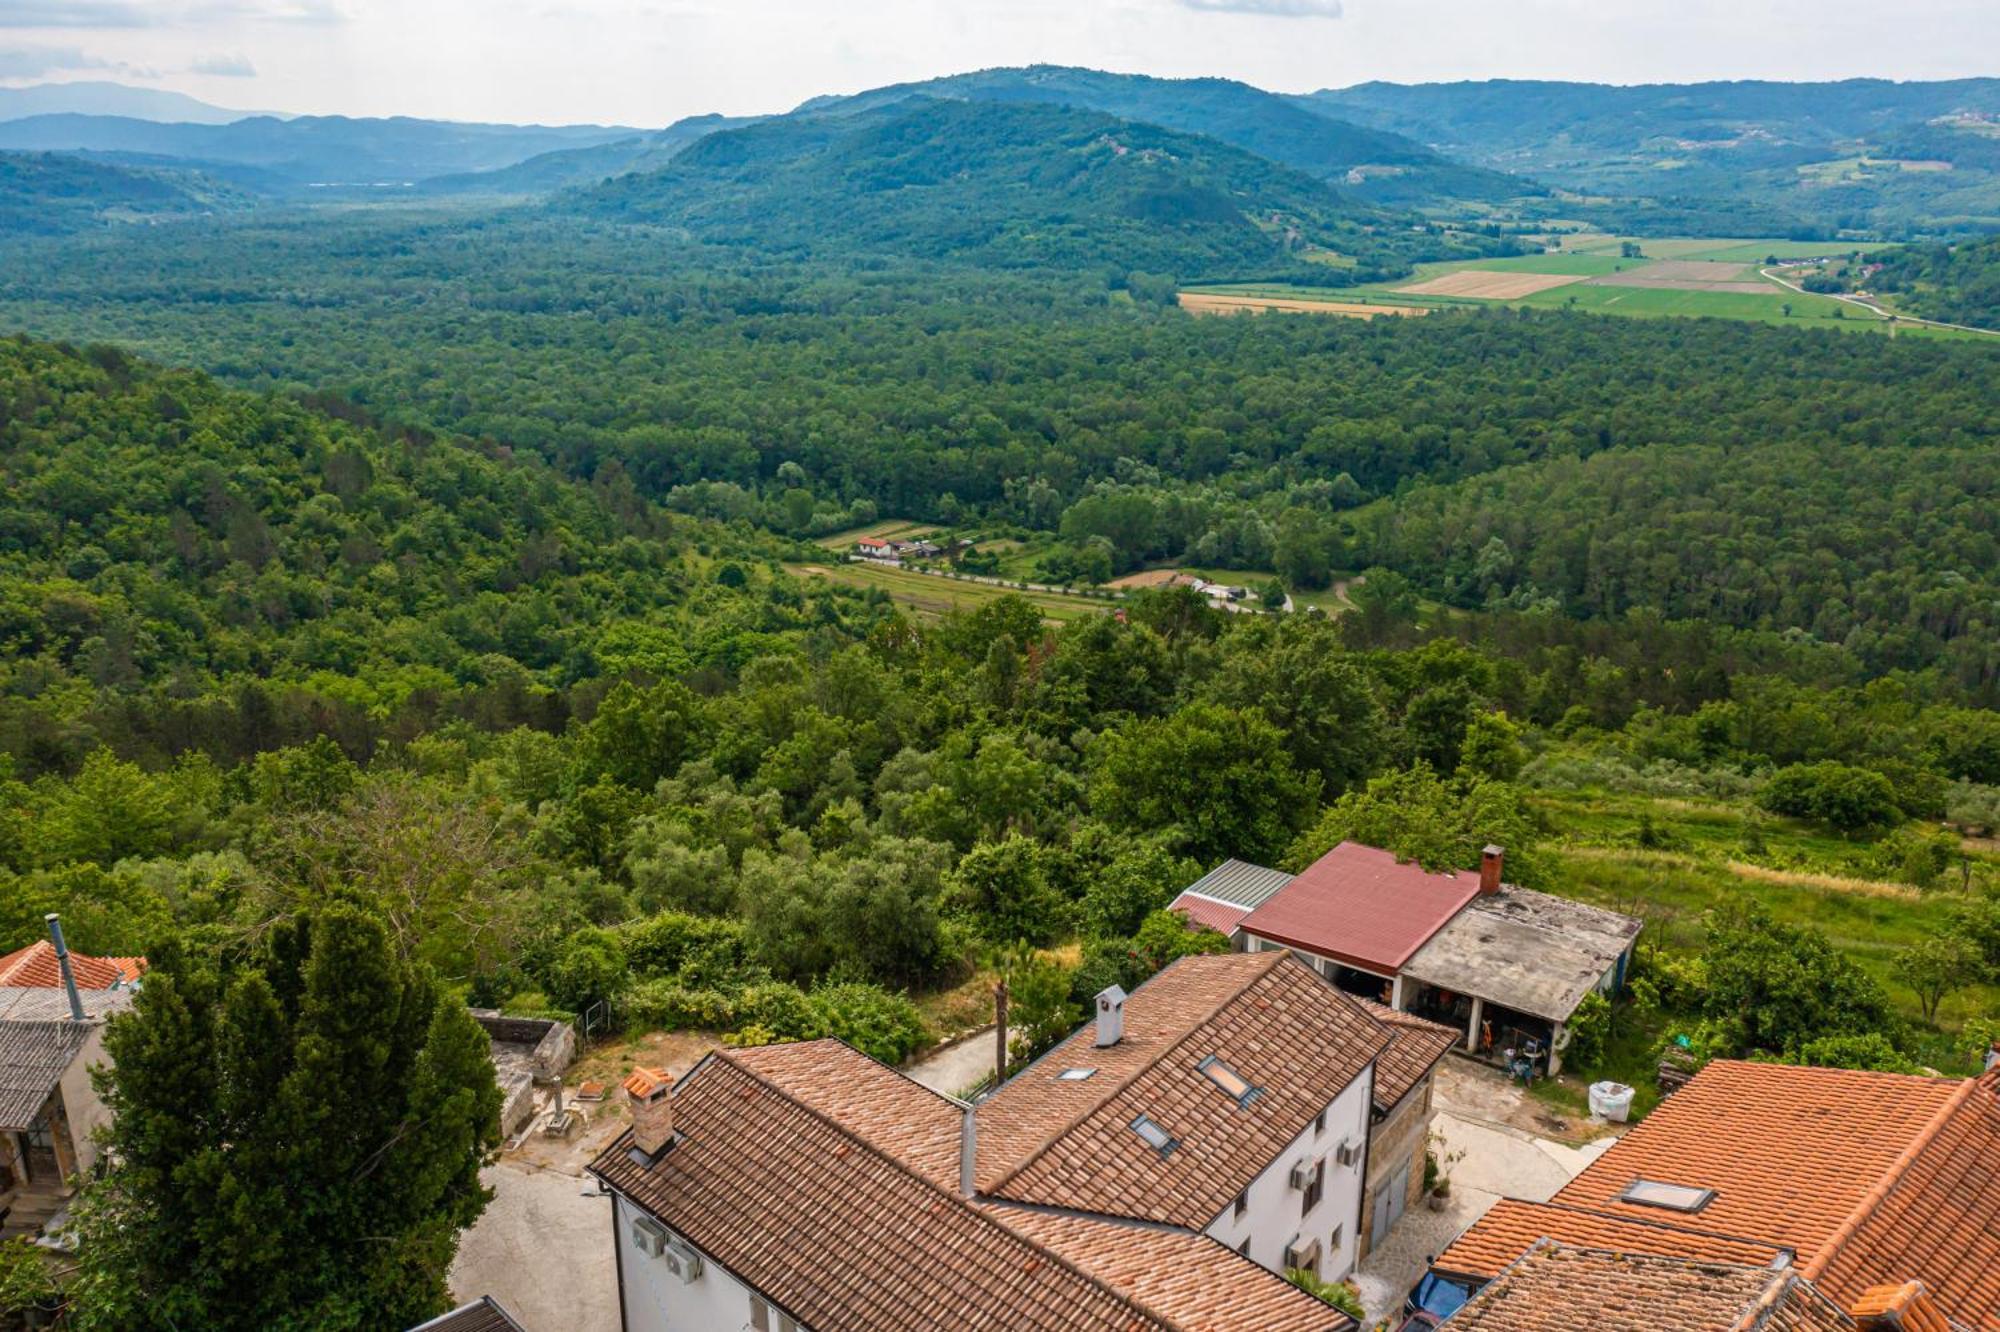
(1674, 1197)
(1234, 1084)
(1075, 1074)
(1154, 1136)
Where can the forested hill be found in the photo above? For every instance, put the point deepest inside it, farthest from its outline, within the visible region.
(188, 566)
(1380, 166)
(1959, 284)
(50, 194)
(1008, 185)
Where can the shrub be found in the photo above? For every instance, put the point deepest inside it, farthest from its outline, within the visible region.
(1871, 1050)
(1589, 1032)
(1845, 798)
(666, 1005)
(872, 1020)
(588, 968)
(673, 942)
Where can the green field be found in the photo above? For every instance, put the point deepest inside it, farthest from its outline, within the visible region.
(1593, 256)
(934, 596)
(901, 528)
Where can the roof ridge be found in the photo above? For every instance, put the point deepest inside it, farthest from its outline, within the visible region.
(1891, 1177)
(952, 1197)
(1656, 1223)
(1111, 1090)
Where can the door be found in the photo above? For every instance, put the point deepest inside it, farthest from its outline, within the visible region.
(38, 1154)
(1389, 1202)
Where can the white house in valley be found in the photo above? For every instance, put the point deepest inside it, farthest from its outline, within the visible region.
(1159, 1169)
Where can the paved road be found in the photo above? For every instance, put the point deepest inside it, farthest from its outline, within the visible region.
(1873, 307)
(543, 1249)
(958, 1065)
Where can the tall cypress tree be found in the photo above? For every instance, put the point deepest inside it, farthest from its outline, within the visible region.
(298, 1137)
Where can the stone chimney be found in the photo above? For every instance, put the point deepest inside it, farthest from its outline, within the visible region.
(1489, 869)
(62, 961)
(650, 1094)
(1110, 1016)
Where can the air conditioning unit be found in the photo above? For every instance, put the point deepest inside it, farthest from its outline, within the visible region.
(1304, 1173)
(1349, 1153)
(1302, 1253)
(648, 1236)
(682, 1261)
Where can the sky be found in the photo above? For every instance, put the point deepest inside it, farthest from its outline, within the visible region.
(649, 62)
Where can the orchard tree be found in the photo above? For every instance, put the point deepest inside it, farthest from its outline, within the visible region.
(298, 1135)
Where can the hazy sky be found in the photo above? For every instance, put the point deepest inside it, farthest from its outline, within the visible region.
(647, 62)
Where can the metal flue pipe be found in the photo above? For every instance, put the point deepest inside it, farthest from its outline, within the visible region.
(62, 961)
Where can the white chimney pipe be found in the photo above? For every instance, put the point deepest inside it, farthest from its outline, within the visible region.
(62, 961)
(1110, 1015)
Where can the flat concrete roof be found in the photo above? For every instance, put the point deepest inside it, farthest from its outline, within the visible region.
(1529, 951)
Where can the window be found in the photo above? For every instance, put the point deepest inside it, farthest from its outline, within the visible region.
(760, 1315)
(1316, 1187)
(1674, 1197)
(1319, 1122)
(1333, 1240)
(1075, 1074)
(1242, 1202)
(1233, 1084)
(1244, 1248)
(1154, 1136)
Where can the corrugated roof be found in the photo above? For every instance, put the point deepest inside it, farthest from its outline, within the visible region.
(35, 1003)
(1362, 906)
(1239, 883)
(33, 1058)
(1530, 951)
(484, 1314)
(1273, 1020)
(1218, 916)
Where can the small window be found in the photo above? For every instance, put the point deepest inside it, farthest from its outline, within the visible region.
(1244, 1247)
(1317, 1188)
(1243, 1204)
(1333, 1240)
(786, 1323)
(1674, 1197)
(1319, 1122)
(1154, 1136)
(1232, 1083)
(760, 1315)
(1075, 1074)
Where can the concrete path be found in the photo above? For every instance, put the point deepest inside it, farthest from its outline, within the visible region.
(952, 1068)
(543, 1249)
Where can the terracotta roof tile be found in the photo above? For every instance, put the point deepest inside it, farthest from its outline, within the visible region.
(1415, 1046)
(1790, 1152)
(899, 1117)
(1362, 906)
(1192, 1279)
(1555, 1288)
(1513, 1226)
(1936, 1219)
(838, 1234)
(1274, 1020)
(36, 966)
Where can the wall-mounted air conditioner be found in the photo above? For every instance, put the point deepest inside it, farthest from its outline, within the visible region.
(1302, 1253)
(1349, 1153)
(648, 1236)
(1304, 1173)
(682, 1261)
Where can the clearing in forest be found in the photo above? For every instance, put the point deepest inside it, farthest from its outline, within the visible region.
(1487, 284)
(1203, 302)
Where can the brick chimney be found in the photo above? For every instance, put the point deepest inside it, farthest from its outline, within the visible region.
(1489, 869)
(649, 1093)
(1898, 1308)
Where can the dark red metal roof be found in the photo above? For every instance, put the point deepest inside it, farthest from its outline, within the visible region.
(1360, 905)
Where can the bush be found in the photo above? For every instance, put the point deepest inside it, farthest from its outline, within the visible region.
(1872, 1051)
(1844, 798)
(709, 948)
(872, 1020)
(664, 1005)
(1589, 1033)
(588, 968)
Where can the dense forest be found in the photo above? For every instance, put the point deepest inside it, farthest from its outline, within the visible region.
(1959, 284)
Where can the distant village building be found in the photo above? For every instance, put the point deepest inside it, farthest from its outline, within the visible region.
(1159, 1169)
(1504, 965)
(894, 552)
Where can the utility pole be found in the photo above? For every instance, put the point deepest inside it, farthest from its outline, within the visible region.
(1000, 1032)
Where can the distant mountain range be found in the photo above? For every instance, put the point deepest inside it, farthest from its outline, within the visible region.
(97, 98)
(44, 194)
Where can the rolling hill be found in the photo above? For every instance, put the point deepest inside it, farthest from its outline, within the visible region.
(53, 194)
(1381, 166)
(564, 167)
(93, 97)
(1862, 155)
(1008, 185)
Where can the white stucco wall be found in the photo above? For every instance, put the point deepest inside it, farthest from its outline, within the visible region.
(1273, 1218)
(658, 1301)
(81, 1102)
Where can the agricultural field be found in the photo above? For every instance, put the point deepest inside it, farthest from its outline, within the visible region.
(1215, 304)
(1690, 277)
(901, 529)
(933, 595)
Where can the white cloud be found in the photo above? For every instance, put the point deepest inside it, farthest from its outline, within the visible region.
(32, 62)
(224, 67)
(1269, 8)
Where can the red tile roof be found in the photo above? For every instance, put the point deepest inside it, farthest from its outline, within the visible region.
(1222, 917)
(1272, 1019)
(1935, 1218)
(841, 1234)
(1415, 1046)
(1790, 1152)
(895, 1115)
(35, 967)
(1359, 905)
(1512, 1227)
(1554, 1288)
